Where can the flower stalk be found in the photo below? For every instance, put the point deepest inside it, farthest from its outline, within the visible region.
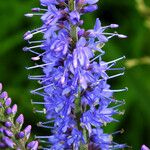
(11, 134)
(74, 84)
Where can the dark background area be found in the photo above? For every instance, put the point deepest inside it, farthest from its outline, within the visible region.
(136, 121)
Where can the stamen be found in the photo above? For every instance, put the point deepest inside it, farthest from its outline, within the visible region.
(122, 36)
(33, 42)
(39, 103)
(120, 69)
(39, 31)
(118, 105)
(42, 141)
(40, 94)
(37, 66)
(95, 58)
(35, 14)
(40, 77)
(113, 25)
(40, 111)
(26, 49)
(117, 75)
(28, 35)
(44, 126)
(47, 122)
(32, 47)
(41, 88)
(37, 57)
(114, 100)
(44, 80)
(38, 9)
(114, 60)
(119, 90)
(113, 64)
(120, 131)
(42, 137)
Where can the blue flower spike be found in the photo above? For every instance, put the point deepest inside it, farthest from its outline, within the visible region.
(74, 81)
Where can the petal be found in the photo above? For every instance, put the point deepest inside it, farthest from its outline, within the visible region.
(97, 25)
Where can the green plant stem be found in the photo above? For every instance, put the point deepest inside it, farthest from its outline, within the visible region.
(77, 111)
(73, 31)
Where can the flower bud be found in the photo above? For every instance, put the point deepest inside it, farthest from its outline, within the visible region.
(8, 102)
(8, 142)
(32, 145)
(3, 95)
(8, 111)
(20, 119)
(27, 131)
(8, 133)
(14, 109)
(8, 124)
(20, 135)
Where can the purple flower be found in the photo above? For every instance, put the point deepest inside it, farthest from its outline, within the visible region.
(144, 147)
(74, 83)
(20, 119)
(74, 17)
(11, 131)
(32, 145)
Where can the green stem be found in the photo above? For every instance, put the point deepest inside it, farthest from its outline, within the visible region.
(73, 31)
(78, 111)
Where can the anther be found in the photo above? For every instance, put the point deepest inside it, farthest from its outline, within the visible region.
(40, 111)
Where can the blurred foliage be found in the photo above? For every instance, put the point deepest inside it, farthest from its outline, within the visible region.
(144, 10)
(136, 121)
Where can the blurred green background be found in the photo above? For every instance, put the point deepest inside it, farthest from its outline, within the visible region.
(133, 16)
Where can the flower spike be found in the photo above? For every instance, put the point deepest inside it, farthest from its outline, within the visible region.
(74, 83)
